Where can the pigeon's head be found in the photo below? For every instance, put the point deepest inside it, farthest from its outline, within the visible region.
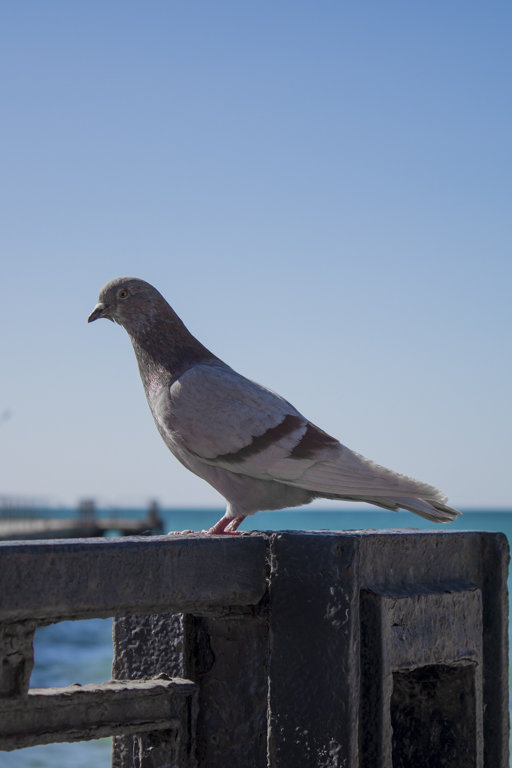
(128, 301)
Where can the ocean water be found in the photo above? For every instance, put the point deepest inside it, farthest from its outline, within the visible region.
(81, 651)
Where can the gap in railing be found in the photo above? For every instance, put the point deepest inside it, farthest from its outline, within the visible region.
(72, 652)
(81, 754)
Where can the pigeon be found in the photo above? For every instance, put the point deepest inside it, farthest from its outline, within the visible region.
(248, 442)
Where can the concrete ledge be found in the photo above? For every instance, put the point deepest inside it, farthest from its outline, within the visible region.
(97, 578)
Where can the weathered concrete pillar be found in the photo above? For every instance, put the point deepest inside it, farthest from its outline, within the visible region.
(314, 651)
(370, 650)
(161, 638)
(227, 657)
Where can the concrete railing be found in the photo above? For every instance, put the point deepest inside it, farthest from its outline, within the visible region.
(325, 650)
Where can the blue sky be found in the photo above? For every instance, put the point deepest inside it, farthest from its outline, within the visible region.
(320, 190)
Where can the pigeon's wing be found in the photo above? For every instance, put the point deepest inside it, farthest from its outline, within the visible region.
(231, 422)
(220, 416)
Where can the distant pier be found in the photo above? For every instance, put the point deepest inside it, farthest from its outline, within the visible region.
(22, 522)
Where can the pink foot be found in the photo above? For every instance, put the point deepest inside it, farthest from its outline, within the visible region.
(226, 525)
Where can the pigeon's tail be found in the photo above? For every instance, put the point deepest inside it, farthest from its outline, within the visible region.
(433, 510)
(348, 475)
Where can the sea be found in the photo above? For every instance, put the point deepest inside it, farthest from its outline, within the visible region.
(81, 651)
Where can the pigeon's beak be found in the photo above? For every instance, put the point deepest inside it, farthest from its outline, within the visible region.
(100, 310)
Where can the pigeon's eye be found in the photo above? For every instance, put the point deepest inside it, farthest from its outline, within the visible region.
(122, 293)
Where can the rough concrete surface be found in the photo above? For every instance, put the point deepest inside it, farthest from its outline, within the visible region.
(360, 649)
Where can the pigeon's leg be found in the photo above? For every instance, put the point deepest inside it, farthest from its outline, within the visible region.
(226, 525)
(235, 522)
